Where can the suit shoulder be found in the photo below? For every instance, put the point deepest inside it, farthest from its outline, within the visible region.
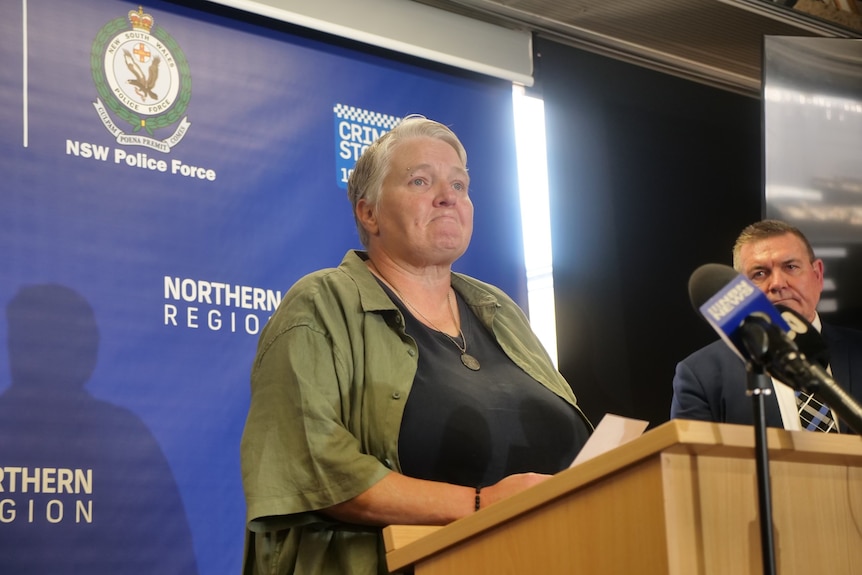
(717, 350)
(845, 335)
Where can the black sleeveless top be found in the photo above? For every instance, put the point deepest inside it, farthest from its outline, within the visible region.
(476, 427)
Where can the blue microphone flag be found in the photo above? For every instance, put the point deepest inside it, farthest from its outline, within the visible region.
(731, 305)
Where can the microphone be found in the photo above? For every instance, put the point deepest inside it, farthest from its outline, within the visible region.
(806, 337)
(729, 302)
(714, 289)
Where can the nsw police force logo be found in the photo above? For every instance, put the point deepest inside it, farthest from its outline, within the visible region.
(143, 79)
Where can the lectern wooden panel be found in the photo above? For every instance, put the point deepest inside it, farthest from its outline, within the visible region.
(680, 500)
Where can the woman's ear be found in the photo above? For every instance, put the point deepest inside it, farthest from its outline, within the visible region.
(366, 215)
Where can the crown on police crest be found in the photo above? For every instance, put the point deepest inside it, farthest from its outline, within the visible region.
(140, 21)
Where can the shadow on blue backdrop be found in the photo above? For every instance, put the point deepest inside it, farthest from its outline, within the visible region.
(84, 487)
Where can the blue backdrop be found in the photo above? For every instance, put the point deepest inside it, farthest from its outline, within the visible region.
(167, 174)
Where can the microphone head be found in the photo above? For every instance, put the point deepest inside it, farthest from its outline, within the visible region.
(809, 341)
(706, 281)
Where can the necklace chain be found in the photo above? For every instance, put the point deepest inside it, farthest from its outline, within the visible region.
(461, 348)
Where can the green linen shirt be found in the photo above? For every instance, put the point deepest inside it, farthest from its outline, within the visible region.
(329, 383)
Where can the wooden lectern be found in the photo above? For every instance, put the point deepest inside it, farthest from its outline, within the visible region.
(680, 500)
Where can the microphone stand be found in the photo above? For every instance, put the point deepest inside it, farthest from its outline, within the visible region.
(756, 339)
(759, 385)
(768, 346)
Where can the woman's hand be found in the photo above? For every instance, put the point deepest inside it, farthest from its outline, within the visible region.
(509, 486)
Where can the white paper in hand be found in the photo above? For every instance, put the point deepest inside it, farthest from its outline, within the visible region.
(612, 431)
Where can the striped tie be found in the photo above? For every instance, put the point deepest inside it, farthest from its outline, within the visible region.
(814, 415)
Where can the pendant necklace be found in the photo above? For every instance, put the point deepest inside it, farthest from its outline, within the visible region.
(468, 360)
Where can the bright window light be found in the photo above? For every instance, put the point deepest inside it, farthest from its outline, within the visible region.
(535, 215)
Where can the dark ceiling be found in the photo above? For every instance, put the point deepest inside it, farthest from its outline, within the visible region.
(716, 42)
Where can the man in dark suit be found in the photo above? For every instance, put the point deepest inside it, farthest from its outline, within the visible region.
(711, 383)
